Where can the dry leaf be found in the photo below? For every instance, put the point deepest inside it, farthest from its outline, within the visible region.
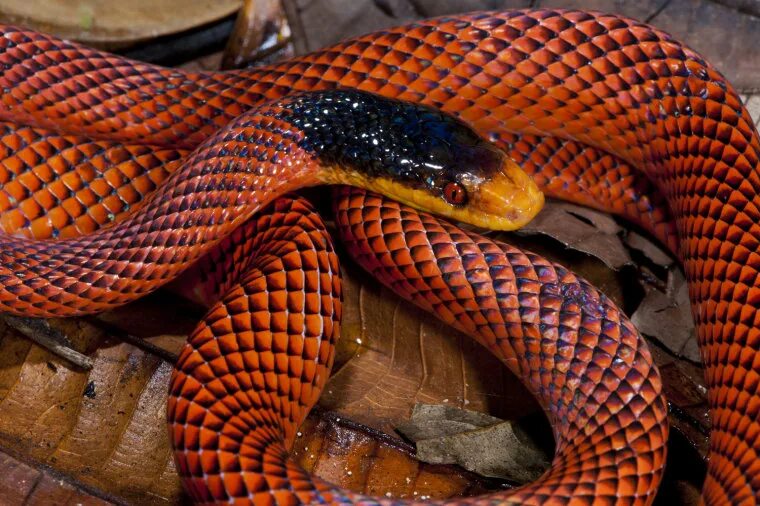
(480, 443)
(107, 428)
(649, 249)
(366, 461)
(23, 484)
(666, 316)
(435, 420)
(582, 229)
(113, 23)
(702, 24)
(392, 356)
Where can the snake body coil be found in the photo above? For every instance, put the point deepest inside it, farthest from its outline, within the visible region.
(577, 86)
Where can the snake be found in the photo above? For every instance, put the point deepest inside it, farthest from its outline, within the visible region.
(598, 109)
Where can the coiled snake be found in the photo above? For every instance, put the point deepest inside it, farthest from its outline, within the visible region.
(610, 113)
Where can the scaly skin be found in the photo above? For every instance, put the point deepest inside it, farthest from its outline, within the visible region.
(601, 80)
(72, 88)
(59, 186)
(253, 368)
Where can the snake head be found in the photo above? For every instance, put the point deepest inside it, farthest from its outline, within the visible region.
(417, 155)
(471, 183)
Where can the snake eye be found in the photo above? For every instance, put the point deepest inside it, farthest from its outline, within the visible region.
(455, 194)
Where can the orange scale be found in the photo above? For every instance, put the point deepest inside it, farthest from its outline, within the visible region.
(100, 188)
(12, 222)
(129, 194)
(28, 156)
(280, 342)
(294, 372)
(280, 498)
(86, 150)
(311, 346)
(213, 482)
(45, 172)
(208, 439)
(41, 227)
(87, 197)
(254, 482)
(58, 217)
(310, 372)
(6, 173)
(30, 182)
(13, 141)
(56, 190)
(193, 467)
(296, 323)
(233, 480)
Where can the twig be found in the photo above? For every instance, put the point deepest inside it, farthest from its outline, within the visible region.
(261, 28)
(138, 342)
(40, 331)
(300, 43)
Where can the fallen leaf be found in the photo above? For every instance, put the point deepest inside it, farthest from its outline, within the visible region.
(480, 443)
(114, 24)
(666, 316)
(649, 248)
(702, 24)
(23, 484)
(581, 229)
(364, 460)
(436, 420)
(106, 428)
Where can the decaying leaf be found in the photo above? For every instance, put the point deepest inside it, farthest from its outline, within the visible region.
(392, 356)
(435, 420)
(582, 229)
(107, 427)
(105, 22)
(480, 443)
(23, 484)
(361, 459)
(649, 249)
(703, 24)
(666, 316)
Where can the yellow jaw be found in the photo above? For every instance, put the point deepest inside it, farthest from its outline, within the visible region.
(505, 202)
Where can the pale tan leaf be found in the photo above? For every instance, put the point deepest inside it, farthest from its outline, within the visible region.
(480, 443)
(114, 23)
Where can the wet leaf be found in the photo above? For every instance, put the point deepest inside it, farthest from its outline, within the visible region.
(261, 32)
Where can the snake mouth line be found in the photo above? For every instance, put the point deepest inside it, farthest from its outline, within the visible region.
(506, 202)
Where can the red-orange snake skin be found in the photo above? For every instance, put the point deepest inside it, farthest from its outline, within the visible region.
(575, 85)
